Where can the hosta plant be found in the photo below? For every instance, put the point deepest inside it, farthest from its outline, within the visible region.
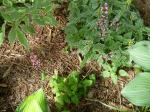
(137, 91)
(69, 90)
(36, 102)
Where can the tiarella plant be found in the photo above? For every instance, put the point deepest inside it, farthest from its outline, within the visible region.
(138, 90)
(20, 15)
(34, 103)
(103, 31)
(69, 90)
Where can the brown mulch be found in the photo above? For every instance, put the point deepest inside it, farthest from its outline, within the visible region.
(19, 79)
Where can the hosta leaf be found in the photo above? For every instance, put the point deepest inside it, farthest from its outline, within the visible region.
(138, 90)
(140, 54)
(34, 103)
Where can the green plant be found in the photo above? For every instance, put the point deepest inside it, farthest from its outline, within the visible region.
(34, 103)
(20, 15)
(137, 91)
(118, 28)
(69, 90)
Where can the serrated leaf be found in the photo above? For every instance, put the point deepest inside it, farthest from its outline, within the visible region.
(123, 73)
(140, 54)
(34, 103)
(22, 38)
(137, 91)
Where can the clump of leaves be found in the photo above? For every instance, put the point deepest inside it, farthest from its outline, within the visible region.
(123, 27)
(69, 90)
(36, 102)
(20, 15)
(137, 91)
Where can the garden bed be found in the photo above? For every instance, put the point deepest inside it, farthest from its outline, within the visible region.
(18, 78)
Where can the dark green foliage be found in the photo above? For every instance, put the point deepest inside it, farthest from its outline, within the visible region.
(69, 90)
(124, 27)
(21, 15)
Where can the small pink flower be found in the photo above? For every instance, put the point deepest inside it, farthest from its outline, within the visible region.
(36, 63)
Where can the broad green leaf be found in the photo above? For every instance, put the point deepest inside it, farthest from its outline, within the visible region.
(137, 91)
(28, 29)
(36, 102)
(140, 54)
(22, 38)
(123, 73)
(12, 35)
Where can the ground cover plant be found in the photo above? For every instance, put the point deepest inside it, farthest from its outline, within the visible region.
(83, 40)
(71, 89)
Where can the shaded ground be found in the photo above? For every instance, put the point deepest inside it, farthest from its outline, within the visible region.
(19, 79)
(144, 8)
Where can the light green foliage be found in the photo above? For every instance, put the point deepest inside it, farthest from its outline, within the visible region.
(138, 90)
(20, 15)
(82, 32)
(69, 90)
(140, 53)
(34, 103)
